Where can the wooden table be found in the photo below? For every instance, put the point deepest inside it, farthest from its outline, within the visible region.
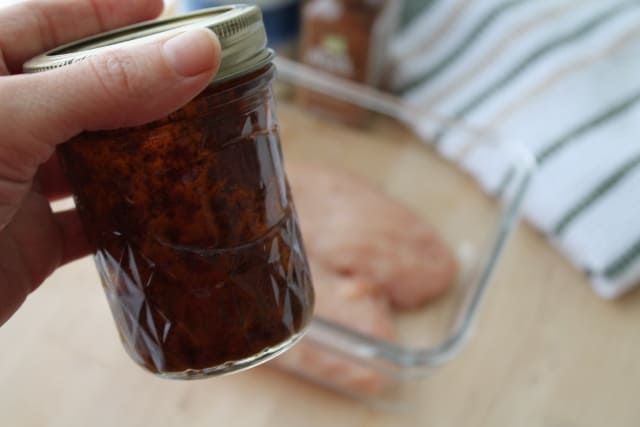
(546, 352)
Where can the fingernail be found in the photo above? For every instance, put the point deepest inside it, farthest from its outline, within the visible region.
(192, 52)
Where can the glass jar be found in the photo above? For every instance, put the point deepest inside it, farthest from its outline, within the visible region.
(195, 234)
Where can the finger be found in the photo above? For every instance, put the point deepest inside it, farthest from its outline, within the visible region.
(32, 27)
(51, 180)
(74, 243)
(15, 283)
(33, 246)
(31, 250)
(123, 87)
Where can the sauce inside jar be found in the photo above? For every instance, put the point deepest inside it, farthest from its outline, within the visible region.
(195, 234)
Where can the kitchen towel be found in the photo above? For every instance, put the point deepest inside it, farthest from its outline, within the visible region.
(561, 77)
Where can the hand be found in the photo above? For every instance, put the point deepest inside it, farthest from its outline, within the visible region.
(125, 87)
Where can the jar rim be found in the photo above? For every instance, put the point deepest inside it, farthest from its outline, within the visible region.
(239, 28)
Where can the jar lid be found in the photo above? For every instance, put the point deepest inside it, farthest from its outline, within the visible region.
(239, 28)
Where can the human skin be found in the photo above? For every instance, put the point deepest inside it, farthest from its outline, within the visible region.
(120, 88)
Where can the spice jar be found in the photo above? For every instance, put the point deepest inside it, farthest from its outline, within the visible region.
(349, 39)
(195, 233)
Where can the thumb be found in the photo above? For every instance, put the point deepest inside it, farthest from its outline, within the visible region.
(122, 87)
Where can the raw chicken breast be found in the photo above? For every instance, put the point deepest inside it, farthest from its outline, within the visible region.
(352, 228)
(366, 251)
(355, 304)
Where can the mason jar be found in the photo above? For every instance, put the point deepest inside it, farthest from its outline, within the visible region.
(195, 234)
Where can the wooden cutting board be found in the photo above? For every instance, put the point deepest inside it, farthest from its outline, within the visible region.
(546, 352)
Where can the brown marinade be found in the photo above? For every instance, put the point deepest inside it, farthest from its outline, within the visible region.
(195, 234)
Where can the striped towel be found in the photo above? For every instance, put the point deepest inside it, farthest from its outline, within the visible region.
(561, 77)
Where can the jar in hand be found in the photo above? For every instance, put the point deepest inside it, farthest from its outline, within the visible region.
(195, 234)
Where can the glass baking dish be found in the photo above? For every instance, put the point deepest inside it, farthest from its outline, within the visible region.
(391, 150)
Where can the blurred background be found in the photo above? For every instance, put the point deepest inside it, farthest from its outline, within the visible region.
(464, 86)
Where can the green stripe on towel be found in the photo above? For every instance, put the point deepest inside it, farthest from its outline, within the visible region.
(594, 195)
(465, 44)
(589, 125)
(413, 8)
(620, 264)
(538, 54)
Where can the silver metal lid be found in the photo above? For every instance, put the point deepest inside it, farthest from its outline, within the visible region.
(239, 28)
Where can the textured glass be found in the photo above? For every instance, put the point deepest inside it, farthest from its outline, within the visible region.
(195, 234)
